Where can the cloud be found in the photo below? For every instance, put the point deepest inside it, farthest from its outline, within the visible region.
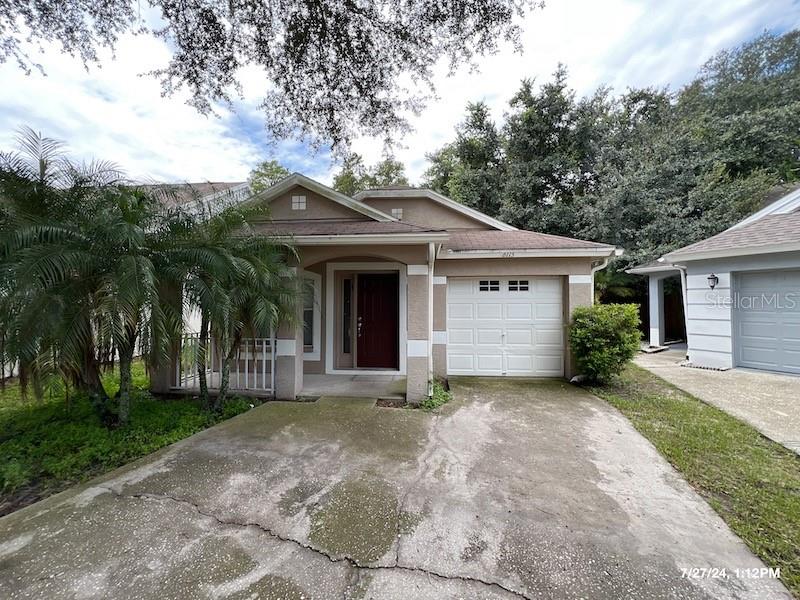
(114, 114)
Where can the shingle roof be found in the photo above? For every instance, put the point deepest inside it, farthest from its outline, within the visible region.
(183, 193)
(652, 266)
(514, 240)
(338, 227)
(767, 231)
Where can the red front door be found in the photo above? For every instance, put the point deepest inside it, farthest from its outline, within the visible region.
(377, 321)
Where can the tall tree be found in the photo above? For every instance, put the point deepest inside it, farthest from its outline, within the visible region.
(549, 153)
(354, 176)
(332, 69)
(266, 174)
(470, 169)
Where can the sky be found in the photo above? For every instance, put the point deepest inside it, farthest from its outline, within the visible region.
(113, 112)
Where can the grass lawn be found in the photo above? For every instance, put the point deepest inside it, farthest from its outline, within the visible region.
(50, 445)
(751, 481)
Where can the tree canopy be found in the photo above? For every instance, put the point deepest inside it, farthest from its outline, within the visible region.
(471, 168)
(331, 69)
(266, 174)
(355, 176)
(649, 170)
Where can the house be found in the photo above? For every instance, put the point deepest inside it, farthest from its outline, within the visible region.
(408, 285)
(741, 291)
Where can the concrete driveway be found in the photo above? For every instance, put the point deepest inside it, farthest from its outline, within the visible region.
(515, 490)
(770, 402)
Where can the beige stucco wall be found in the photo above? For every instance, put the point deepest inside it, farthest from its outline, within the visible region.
(576, 294)
(426, 213)
(288, 365)
(317, 207)
(418, 307)
(409, 255)
(439, 306)
(479, 267)
(440, 326)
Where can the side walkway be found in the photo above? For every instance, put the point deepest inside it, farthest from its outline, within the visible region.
(768, 401)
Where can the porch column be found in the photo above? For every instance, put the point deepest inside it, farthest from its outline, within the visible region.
(440, 327)
(164, 374)
(417, 374)
(289, 358)
(579, 292)
(656, 300)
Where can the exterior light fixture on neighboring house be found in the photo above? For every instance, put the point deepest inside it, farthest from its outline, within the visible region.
(713, 280)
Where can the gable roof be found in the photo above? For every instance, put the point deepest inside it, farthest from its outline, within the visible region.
(409, 192)
(771, 233)
(774, 228)
(295, 179)
(477, 243)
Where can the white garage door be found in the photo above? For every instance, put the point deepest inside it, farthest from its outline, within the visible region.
(505, 326)
(767, 321)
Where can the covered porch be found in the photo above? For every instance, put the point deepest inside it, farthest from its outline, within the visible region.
(666, 303)
(365, 326)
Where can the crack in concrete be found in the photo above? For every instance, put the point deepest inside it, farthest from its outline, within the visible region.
(425, 468)
(349, 561)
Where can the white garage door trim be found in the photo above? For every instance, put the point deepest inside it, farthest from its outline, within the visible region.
(505, 326)
(767, 320)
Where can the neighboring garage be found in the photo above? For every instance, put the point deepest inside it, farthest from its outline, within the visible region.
(741, 290)
(505, 326)
(766, 320)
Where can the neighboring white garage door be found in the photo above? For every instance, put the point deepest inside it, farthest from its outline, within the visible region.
(767, 320)
(505, 326)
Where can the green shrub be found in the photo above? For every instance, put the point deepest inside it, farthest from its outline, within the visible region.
(13, 474)
(603, 338)
(439, 396)
(236, 406)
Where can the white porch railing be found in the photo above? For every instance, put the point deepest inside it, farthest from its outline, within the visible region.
(252, 369)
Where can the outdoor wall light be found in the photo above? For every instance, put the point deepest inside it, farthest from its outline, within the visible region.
(713, 280)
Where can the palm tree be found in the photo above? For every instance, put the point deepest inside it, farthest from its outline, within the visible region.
(88, 265)
(79, 269)
(239, 281)
(49, 267)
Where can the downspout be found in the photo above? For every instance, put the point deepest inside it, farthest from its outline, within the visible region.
(602, 265)
(431, 260)
(684, 287)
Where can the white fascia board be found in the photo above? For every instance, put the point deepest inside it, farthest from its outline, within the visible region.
(543, 253)
(378, 238)
(437, 197)
(730, 252)
(646, 270)
(290, 181)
